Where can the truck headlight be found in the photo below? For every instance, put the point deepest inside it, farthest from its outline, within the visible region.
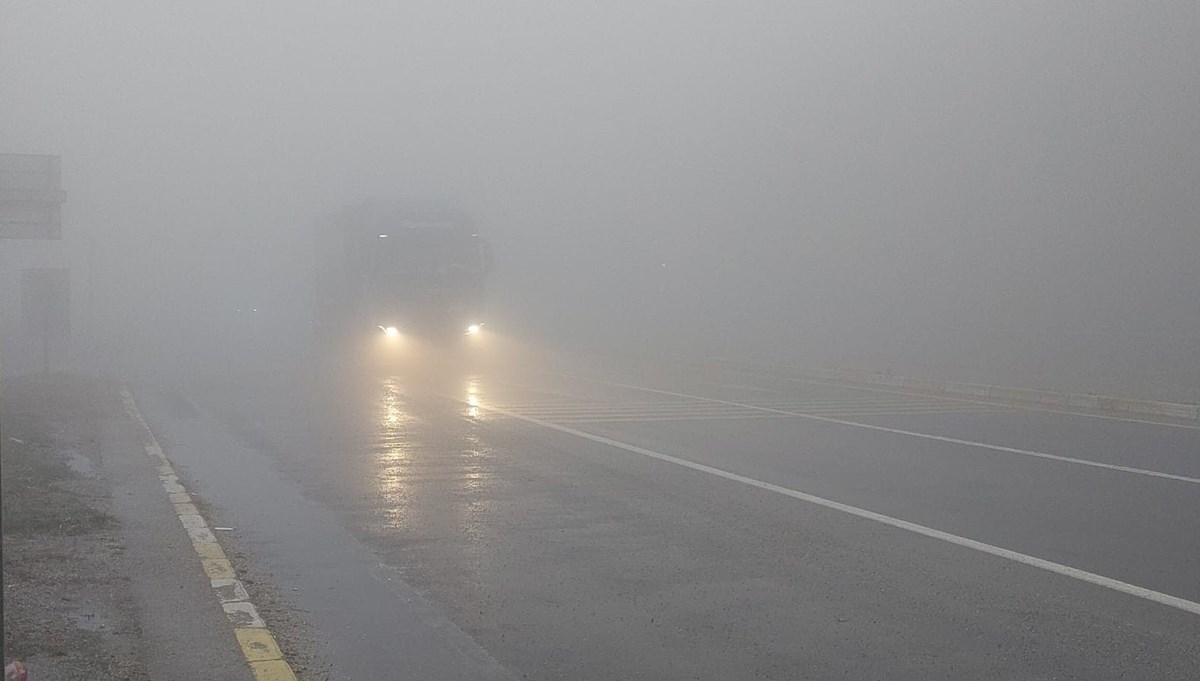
(390, 330)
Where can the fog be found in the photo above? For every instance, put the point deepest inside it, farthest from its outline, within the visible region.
(988, 191)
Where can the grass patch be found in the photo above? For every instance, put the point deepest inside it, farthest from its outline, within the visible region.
(39, 495)
(44, 420)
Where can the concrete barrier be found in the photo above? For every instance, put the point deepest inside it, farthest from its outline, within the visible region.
(1025, 395)
(1083, 401)
(967, 389)
(875, 378)
(1169, 409)
(823, 374)
(924, 385)
(1001, 393)
(854, 376)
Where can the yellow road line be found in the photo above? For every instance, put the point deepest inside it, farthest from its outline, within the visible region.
(275, 670)
(258, 645)
(217, 569)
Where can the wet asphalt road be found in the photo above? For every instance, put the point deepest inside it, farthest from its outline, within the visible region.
(536, 515)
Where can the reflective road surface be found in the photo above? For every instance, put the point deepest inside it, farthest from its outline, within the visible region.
(542, 515)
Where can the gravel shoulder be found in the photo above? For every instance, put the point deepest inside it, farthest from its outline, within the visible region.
(100, 580)
(69, 608)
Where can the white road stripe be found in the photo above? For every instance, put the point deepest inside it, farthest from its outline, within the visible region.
(924, 436)
(1025, 559)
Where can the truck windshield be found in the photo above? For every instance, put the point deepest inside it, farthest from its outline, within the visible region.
(424, 258)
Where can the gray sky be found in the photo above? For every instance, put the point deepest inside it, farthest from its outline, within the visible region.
(836, 176)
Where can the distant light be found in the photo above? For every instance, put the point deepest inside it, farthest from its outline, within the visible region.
(473, 329)
(255, 310)
(383, 236)
(390, 330)
(664, 264)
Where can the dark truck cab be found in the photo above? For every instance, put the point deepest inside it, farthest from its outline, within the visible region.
(400, 269)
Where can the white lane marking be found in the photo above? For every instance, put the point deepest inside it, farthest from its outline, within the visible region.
(898, 431)
(230, 590)
(1007, 554)
(243, 614)
(201, 534)
(190, 520)
(1019, 405)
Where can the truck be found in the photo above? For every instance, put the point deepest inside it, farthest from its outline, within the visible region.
(400, 269)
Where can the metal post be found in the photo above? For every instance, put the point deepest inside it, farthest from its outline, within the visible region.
(46, 342)
(3, 630)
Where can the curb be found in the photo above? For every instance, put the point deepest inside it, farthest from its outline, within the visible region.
(1174, 410)
(258, 646)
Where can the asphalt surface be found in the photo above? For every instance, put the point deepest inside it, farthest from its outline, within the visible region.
(544, 516)
(184, 633)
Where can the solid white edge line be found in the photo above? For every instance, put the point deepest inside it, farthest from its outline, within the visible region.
(898, 431)
(1015, 556)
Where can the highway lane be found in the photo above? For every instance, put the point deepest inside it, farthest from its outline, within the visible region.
(1063, 511)
(562, 556)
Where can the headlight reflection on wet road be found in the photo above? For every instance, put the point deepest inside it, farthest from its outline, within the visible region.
(433, 471)
(473, 410)
(394, 445)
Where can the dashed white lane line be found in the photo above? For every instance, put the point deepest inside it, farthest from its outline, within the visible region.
(258, 646)
(909, 433)
(1007, 554)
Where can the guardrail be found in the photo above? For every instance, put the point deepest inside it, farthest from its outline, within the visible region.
(1175, 410)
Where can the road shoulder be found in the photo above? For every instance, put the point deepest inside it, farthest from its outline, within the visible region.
(104, 583)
